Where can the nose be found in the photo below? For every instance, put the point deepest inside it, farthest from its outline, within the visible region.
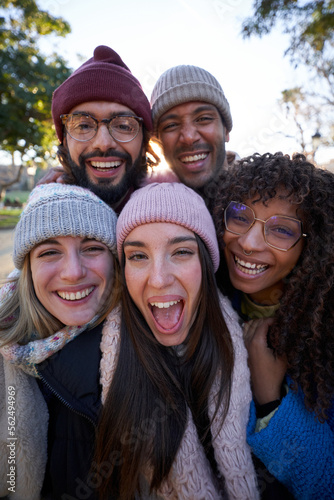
(189, 133)
(103, 140)
(160, 275)
(253, 240)
(73, 269)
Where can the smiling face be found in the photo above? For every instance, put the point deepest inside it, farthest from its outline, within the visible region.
(102, 164)
(261, 274)
(163, 275)
(72, 277)
(193, 139)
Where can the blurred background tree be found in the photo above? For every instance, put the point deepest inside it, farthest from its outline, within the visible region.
(307, 111)
(310, 28)
(27, 81)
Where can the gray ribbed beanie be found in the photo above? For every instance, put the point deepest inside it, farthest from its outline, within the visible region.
(184, 84)
(62, 210)
(168, 202)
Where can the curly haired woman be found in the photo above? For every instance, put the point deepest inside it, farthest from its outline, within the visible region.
(275, 222)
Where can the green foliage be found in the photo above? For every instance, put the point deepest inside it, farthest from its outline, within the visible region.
(27, 77)
(16, 195)
(309, 24)
(9, 218)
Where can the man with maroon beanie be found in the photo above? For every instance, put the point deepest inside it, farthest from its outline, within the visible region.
(103, 122)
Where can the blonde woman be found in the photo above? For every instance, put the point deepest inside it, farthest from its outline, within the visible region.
(66, 283)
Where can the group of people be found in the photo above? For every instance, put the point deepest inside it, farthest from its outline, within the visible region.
(167, 339)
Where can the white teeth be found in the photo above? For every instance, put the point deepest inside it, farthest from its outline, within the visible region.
(246, 264)
(249, 267)
(164, 305)
(77, 295)
(105, 164)
(189, 159)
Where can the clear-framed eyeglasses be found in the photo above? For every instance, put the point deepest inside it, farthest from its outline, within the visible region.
(279, 231)
(83, 127)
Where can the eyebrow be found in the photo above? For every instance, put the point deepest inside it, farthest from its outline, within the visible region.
(47, 242)
(199, 109)
(171, 241)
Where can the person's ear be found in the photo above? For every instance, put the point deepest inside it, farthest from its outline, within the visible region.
(227, 135)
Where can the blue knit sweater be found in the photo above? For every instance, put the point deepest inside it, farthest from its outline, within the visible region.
(297, 449)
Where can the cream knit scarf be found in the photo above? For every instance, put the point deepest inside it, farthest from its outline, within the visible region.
(191, 477)
(28, 356)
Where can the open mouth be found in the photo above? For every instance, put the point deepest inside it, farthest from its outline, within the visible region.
(249, 267)
(71, 296)
(194, 158)
(104, 166)
(167, 315)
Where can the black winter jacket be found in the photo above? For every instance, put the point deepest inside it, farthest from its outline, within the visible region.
(71, 386)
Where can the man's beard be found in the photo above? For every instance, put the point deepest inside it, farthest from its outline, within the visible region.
(103, 188)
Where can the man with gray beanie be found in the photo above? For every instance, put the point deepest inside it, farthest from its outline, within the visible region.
(192, 121)
(103, 122)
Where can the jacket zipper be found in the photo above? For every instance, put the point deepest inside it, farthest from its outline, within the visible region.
(64, 402)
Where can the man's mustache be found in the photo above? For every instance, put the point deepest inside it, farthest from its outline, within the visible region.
(105, 154)
(193, 148)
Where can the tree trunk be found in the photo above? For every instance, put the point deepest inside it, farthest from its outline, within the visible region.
(2, 195)
(4, 184)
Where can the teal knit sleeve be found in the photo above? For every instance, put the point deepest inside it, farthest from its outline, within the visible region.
(297, 449)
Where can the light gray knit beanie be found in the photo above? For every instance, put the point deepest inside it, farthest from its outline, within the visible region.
(56, 210)
(184, 84)
(168, 202)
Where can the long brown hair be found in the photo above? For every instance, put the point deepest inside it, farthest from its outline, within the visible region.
(145, 413)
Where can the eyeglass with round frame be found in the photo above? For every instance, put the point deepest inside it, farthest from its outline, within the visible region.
(279, 231)
(83, 127)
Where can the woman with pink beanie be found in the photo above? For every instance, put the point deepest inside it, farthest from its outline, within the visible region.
(174, 375)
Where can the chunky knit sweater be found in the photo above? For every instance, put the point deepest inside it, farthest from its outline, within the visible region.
(297, 449)
(191, 476)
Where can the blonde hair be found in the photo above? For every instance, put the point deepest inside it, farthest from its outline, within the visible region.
(23, 317)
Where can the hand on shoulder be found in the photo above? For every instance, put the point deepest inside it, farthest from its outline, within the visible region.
(54, 174)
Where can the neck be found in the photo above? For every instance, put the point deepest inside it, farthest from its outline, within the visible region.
(269, 296)
(118, 206)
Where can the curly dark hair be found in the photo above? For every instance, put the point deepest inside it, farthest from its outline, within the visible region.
(304, 325)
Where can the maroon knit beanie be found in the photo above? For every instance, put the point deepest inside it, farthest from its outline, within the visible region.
(104, 77)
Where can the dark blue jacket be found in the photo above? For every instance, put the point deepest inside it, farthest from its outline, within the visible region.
(71, 386)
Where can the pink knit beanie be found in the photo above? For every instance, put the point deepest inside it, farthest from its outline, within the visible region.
(104, 77)
(168, 202)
